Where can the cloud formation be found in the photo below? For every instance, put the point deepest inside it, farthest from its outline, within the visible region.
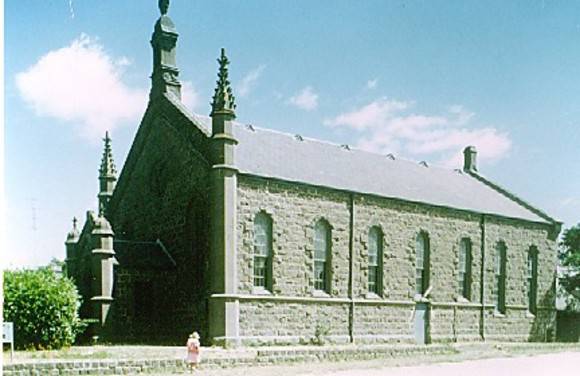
(248, 83)
(189, 96)
(306, 99)
(371, 84)
(82, 84)
(386, 126)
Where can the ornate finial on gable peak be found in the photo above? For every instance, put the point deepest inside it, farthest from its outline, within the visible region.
(107, 169)
(74, 233)
(223, 98)
(164, 40)
(163, 6)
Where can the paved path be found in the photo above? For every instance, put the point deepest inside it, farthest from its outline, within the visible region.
(557, 364)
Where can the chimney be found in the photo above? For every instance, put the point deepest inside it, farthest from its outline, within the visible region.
(470, 159)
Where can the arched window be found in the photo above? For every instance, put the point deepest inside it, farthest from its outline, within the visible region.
(322, 250)
(532, 277)
(500, 276)
(375, 247)
(422, 263)
(263, 251)
(465, 268)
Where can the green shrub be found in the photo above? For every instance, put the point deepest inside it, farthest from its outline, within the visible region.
(44, 308)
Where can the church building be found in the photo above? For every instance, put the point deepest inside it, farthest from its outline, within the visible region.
(252, 237)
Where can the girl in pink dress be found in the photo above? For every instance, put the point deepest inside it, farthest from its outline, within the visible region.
(193, 348)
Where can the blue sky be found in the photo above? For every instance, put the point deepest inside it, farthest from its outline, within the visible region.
(421, 79)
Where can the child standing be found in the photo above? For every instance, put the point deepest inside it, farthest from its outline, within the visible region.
(193, 347)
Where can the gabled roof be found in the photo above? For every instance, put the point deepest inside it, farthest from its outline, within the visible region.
(293, 158)
(278, 155)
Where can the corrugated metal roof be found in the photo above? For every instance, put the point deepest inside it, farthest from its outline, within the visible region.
(269, 153)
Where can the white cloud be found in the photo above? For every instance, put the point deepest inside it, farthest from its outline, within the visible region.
(386, 126)
(306, 99)
(249, 81)
(372, 115)
(371, 84)
(82, 84)
(189, 96)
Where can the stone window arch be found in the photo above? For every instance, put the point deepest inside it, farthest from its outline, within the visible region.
(322, 255)
(465, 265)
(422, 262)
(263, 251)
(375, 260)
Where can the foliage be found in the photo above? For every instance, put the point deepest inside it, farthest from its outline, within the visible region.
(570, 259)
(43, 306)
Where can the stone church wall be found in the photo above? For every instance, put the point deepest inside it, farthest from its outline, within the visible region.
(164, 198)
(292, 313)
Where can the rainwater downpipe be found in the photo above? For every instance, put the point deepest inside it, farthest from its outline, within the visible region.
(351, 269)
(482, 279)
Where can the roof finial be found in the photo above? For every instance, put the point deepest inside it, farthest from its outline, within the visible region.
(108, 168)
(73, 234)
(223, 98)
(163, 6)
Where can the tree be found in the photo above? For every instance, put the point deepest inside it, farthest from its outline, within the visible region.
(43, 306)
(570, 260)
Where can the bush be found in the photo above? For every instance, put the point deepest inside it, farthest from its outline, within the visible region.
(44, 308)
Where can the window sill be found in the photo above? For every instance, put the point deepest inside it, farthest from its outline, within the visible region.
(260, 291)
(372, 296)
(418, 298)
(462, 299)
(530, 315)
(498, 314)
(320, 294)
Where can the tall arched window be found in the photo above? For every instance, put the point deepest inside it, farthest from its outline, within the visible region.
(532, 277)
(263, 251)
(422, 263)
(375, 247)
(500, 276)
(322, 249)
(465, 268)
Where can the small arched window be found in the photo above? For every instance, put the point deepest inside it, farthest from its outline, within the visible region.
(532, 277)
(465, 259)
(375, 249)
(322, 250)
(422, 263)
(500, 276)
(263, 251)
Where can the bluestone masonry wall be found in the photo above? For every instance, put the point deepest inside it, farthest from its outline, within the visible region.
(293, 313)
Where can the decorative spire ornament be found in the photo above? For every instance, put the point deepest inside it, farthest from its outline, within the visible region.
(107, 176)
(164, 40)
(223, 98)
(73, 234)
(163, 6)
(108, 168)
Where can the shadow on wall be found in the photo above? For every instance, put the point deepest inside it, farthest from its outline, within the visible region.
(544, 325)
